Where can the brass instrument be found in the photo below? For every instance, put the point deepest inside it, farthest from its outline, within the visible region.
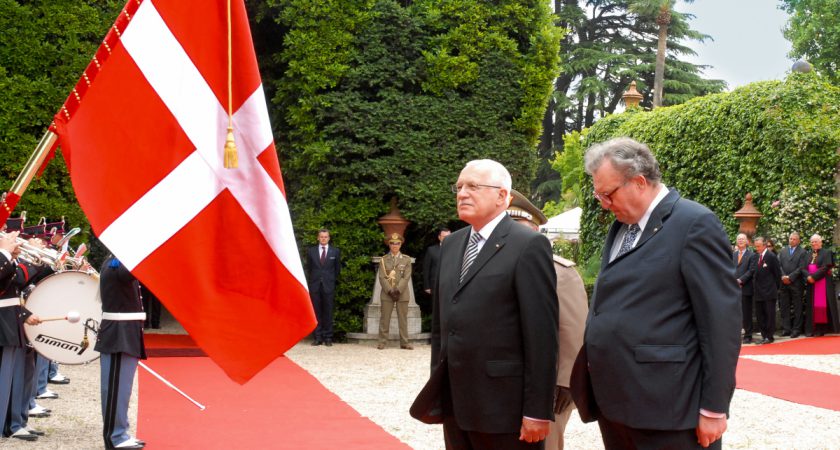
(45, 256)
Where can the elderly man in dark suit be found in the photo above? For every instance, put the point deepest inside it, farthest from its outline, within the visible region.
(767, 278)
(742, 257)
(793, 260)
(663, 332)
(494, 325)
(324, 263)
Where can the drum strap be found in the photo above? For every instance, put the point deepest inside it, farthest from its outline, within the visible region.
(123, 316)
(6, 302)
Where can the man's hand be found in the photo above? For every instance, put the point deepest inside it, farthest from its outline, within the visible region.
(533, 430)
(394, 293)
(9, 242)
(785, 279)
(33, 320)
(810, 280)
(428, 291)
(709, 430)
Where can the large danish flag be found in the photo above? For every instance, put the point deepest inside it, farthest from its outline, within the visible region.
(143, 134)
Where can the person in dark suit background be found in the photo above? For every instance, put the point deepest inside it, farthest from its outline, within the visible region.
(742, 257)
(494, 324)
(822, 308)
(324, 263)
(767, 278)
(793, 260)
(432, 260)
(657, 368)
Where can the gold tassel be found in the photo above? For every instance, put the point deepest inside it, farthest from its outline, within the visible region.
(231, 158)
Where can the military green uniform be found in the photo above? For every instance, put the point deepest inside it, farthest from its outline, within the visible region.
(394, 272)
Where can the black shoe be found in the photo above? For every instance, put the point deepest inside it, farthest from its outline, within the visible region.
(328, 343)
(317, 343)
(794, 335)
(786, 334)
(809, 334)
(35, 432)
(747, 340)
(765, 341)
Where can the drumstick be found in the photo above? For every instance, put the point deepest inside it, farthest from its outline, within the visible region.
(72, 317)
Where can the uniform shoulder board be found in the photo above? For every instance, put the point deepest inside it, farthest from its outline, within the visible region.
(563, 261)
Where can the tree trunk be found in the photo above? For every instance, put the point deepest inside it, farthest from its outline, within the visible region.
(663, 20)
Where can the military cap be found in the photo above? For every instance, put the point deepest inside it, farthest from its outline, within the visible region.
(520, 207)
(395, 237)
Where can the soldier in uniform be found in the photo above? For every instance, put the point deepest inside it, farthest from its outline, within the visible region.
(394, 275)
(573, 307)
(121, 347)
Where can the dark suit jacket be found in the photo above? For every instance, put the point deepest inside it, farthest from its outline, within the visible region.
(120, 293)
(664, 326)
(794, 266)
(743, 270)
(430, 266)
(767, 277)
(323, 276)
(495, 334)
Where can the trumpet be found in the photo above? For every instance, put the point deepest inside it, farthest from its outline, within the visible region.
(46, 257)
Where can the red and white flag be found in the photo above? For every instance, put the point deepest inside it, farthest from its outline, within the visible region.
(143, 134)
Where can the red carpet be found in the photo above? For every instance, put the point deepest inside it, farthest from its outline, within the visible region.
(283, 407)
(160, 345)
(806, 387)
(826, 345)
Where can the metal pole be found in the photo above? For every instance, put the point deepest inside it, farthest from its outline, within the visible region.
(34, 163)
(166, 382)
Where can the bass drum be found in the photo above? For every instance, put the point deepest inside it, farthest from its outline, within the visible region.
(56, 296)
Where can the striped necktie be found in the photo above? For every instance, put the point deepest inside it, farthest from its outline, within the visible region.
(470, 254)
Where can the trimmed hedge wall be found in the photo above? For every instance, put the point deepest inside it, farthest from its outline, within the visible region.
(778, 140)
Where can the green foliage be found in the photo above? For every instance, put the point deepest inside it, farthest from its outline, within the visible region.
(776, 140)
(44, 48)
(569, 164)
(610, 44)
(814, 31)
(385, 98)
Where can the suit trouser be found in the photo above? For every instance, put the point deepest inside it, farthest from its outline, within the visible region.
(765, 312)
(385, 320)
(23, 387)
(116, 379)
(747, 315)
(322, 303)
(457, 439)
(7, 357)
(792, 296)
(617, 436)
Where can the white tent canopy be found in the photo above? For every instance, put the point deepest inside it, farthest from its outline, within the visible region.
(563, 226)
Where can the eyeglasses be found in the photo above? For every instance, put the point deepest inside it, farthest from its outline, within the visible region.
(606, 197)
(471, 187)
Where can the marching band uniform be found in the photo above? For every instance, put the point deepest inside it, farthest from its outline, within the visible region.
(120, 343)
(11, 341)
(23, 378)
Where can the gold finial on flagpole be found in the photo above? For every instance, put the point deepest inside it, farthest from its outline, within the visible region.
(231, 158)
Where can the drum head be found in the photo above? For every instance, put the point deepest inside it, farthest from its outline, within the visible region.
(58, 295)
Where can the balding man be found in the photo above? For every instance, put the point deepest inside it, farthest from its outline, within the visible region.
(494, 324)
(573, 306)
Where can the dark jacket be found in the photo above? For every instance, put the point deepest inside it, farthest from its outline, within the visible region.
(323, 276)
(664, 327)
(767, 276)
(495, 333)
(794, 266)
(743, 270)
(120, 293)
(430, 266)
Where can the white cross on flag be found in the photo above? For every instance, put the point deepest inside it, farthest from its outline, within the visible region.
(143, 134)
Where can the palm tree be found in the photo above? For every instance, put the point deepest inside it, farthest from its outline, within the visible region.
(663, 11)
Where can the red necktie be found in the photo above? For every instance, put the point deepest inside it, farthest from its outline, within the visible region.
(760, 259)
(323, 255)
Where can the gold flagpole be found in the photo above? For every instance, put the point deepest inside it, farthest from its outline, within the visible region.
(231, 158)
(34, 163)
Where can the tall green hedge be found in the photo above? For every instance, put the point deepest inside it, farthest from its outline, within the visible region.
(385, 98)
(778, 140)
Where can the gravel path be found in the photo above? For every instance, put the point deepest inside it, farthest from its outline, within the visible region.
(381, 384)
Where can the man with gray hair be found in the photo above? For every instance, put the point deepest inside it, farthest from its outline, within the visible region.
(494, 324)
(657, 367)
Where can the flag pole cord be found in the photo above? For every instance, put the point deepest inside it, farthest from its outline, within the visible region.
(166, 382)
